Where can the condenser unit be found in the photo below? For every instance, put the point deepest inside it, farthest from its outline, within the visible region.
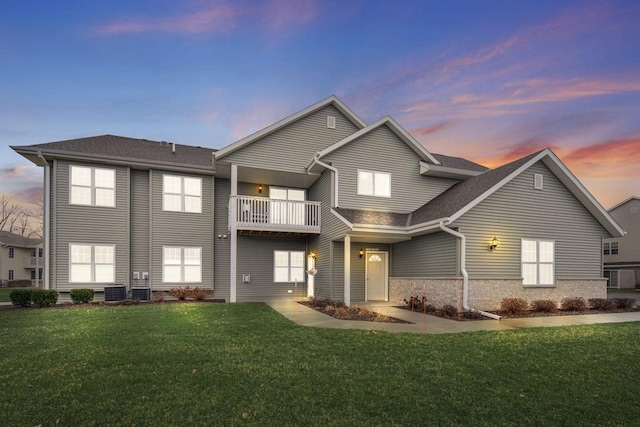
(140, 293)
(115, 293)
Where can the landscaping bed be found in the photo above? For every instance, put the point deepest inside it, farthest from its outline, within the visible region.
(340, 311)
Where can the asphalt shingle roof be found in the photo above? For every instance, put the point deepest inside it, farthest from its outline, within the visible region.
(11, 239)
(356, 216)
(459, 163)
(132, 148)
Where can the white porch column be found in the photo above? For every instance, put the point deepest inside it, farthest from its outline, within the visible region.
(347, 269)
(233, 233)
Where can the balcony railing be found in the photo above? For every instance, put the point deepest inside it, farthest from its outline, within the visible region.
(32, 262)
(263, 213)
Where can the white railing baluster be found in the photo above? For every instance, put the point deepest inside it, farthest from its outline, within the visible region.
(263, 213)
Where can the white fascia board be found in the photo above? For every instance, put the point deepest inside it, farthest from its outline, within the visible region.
(395, 128)
(290, 119)
(623, 202)
(582, 194)
(499, 185)
(446, 172)
(341, 218)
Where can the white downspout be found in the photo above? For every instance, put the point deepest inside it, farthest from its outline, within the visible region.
(465, 274)
(45, 225)
(317, 160)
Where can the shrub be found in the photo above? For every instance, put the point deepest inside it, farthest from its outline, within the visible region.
(573, 304)
(449, 311)
(81, 295)
(601, 304)
(544, 306)
(340, 312)
(21, 297)
(44, 297)
(624, 303)
(416, 303)
(513, 305)
(200, 293)
(158, 296)
(180, 293)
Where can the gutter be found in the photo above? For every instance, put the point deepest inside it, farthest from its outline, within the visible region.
(316, 160)
(465, 274)
(46, 222)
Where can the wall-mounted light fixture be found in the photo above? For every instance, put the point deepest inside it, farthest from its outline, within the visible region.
(494, 244)
(313, 254)
(361, 252)
(260, 188)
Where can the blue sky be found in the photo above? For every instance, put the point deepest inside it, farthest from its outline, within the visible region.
(490, 81)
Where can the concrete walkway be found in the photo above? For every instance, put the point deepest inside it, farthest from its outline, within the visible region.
(435, 325)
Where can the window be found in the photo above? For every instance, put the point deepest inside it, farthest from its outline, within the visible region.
(33, 275)
(12, 252)
(614, 248)
(91, 263)
(10, 274)
(181, 194)
(606, 248)
(92, 186)
(612, 275)
(181, 265)
(538, 262)
(374, 184)
(288, 266)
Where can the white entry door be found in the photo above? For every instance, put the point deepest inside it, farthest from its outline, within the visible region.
(376, 276)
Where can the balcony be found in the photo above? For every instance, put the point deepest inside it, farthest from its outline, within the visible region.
(32, 262)
(273, 215)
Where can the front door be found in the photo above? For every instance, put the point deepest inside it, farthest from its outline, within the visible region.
(376, 276)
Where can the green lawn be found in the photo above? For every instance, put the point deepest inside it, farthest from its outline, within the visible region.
(244, 364)
(4, 294)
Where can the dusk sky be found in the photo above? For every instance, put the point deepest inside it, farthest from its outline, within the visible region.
(490, 81)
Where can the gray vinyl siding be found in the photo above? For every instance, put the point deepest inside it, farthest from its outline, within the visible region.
(430, 255)
(181, 229)
(90, 225)
(292, 147)
(382, 151)
(517, 211)
(222, 248)
(332, 228)
(140, 243)
(255, 257)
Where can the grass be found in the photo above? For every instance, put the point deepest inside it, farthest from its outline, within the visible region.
(4, 294)
(243, 364)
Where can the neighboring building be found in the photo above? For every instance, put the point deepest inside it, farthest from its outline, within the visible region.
(20, 258)
(319, 203)
(622, 254)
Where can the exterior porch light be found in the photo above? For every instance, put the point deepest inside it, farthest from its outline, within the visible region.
(494, 243)
(361, 252)
(313, 254)
(260, 188)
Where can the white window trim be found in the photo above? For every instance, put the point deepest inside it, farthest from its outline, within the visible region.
(615, 248)
(182, 194)
(93, 187)
(289, 267)
(182, 264)
(606, 248)
(93, 262)
(361, 193)
(538, 263)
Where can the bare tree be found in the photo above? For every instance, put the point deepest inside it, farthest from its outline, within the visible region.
(35, 217)
(27, 222)
(8, 212)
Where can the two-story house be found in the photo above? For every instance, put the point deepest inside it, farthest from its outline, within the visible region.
(622, 255)
(20, 258)
(319, 203)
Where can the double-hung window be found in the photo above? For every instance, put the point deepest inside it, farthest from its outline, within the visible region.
(181, 264)
(92, 186)
(288, 266)
(614, 248)
(91, 263)
(538, 263)
(606, 248)
(12, 252)
(181, 194)
(11, 275)
(372, 183)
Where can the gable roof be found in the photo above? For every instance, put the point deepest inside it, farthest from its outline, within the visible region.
(623, 202)
(459, 163)
(11, 239)
(124, 149)
(395, 128)
(463, 196)
(332, 100)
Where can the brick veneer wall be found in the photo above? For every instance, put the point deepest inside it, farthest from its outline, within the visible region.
(486, 294)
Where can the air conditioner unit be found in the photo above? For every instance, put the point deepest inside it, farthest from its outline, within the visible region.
(140, 293)
(115, 293)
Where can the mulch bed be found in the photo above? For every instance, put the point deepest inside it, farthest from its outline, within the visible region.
(341, 312)
(126, 302)
(466, 316)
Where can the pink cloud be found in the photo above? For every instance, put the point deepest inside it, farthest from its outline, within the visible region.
(15, 171)
(431, 129)
(215, 19)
